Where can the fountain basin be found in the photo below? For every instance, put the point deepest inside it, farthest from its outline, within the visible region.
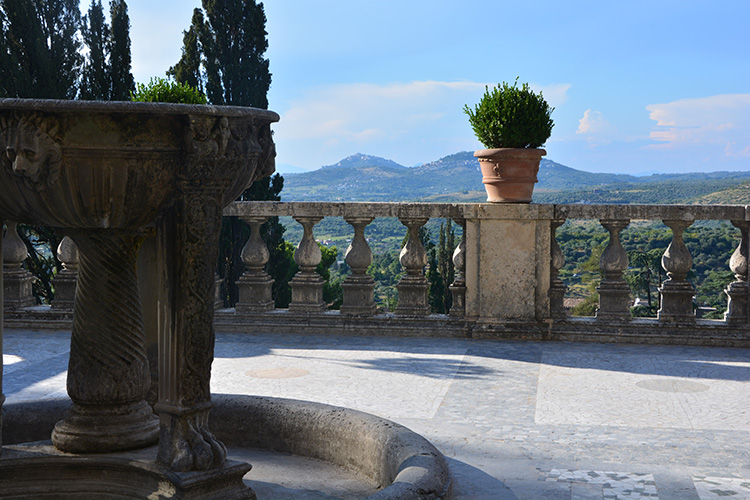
(92, 164)
(405, 464)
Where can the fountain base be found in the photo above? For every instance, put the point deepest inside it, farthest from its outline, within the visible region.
(40, 471)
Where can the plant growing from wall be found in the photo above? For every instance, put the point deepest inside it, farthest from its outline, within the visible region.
(164, 90)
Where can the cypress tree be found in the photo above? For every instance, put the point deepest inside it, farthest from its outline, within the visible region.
(188, 68)
(119, 58)
(95, 76)
(42, 58)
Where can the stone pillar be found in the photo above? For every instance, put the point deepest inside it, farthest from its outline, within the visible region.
(255, 283)
(557, 287)
(458, 287)
(614, 292)
(188, 244)
(737, 291)
(108, 372)
(508, 249)
(413, 287)
(676, 292)
(17, 279)
(359, 287)
(307, 284)
(65, 280)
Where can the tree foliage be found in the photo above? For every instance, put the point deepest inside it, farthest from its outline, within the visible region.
(40, 51)
(223, 53)
(119, 56)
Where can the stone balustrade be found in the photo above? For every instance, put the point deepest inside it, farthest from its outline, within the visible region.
(506, 275)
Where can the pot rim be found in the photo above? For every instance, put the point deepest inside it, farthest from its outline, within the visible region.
(510, 153)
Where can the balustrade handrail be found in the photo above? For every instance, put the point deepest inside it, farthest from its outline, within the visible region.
(506, 262)
(486, 210)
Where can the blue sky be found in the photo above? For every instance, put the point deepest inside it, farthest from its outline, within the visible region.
(638, 86)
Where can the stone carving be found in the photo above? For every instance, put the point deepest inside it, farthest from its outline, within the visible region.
(307, 284)
(614, 291)
(108, 372)
(412, 289)
(737, 291)
(18, 290)
(125, 166)
(67, 278)
(185, 443)
(32, 148)
(359, 286)
(267, 161)
(458, 287)
(676, 292)
(255, 283)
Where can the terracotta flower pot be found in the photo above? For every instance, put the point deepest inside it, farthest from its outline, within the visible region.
(509, 174)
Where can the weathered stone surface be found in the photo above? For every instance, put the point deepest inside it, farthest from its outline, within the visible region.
(404, 462)
(100, 170)
(65, 281)
(255, 284)
(676, 291)
(108, 374)
(17, 280)
(737, 291)
(413, 286)
(614, 292)
(359, 286)
(307, 284)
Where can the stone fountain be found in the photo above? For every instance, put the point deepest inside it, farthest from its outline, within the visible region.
(107, 175)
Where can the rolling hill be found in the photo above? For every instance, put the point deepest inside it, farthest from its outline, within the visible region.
(456, 178)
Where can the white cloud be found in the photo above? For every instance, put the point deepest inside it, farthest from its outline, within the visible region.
(593, 122)
(408, 121)
(720, 120)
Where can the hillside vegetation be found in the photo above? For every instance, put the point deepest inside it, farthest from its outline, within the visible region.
(456, 178)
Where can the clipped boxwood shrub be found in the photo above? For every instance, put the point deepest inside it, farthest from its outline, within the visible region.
(163, 90)
(511, 117)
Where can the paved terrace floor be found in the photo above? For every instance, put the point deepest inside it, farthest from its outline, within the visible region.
(516, 420)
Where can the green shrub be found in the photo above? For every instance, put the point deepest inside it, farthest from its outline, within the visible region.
(164, 90)
(511, 117)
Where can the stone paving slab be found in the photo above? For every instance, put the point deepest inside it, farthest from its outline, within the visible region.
(516, 420)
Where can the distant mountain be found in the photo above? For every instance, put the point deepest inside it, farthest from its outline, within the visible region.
(456, 178)
(555, 176)
(362, 160)
(283, 168)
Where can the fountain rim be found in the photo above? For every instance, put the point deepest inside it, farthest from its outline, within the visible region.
(156, 108)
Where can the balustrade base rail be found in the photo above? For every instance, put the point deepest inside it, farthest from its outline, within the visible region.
(700, 332)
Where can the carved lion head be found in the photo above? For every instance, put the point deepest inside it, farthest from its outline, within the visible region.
(32, 148)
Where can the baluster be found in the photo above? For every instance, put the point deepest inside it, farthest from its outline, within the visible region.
(614, 292)
(255, 283)
(66, 279)
(557, 287)
(458, 287)
(17, 279)
(737, 291)
(359, 287)
(412, 289)
(218, 296)
(307, 284)
(676, 292)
